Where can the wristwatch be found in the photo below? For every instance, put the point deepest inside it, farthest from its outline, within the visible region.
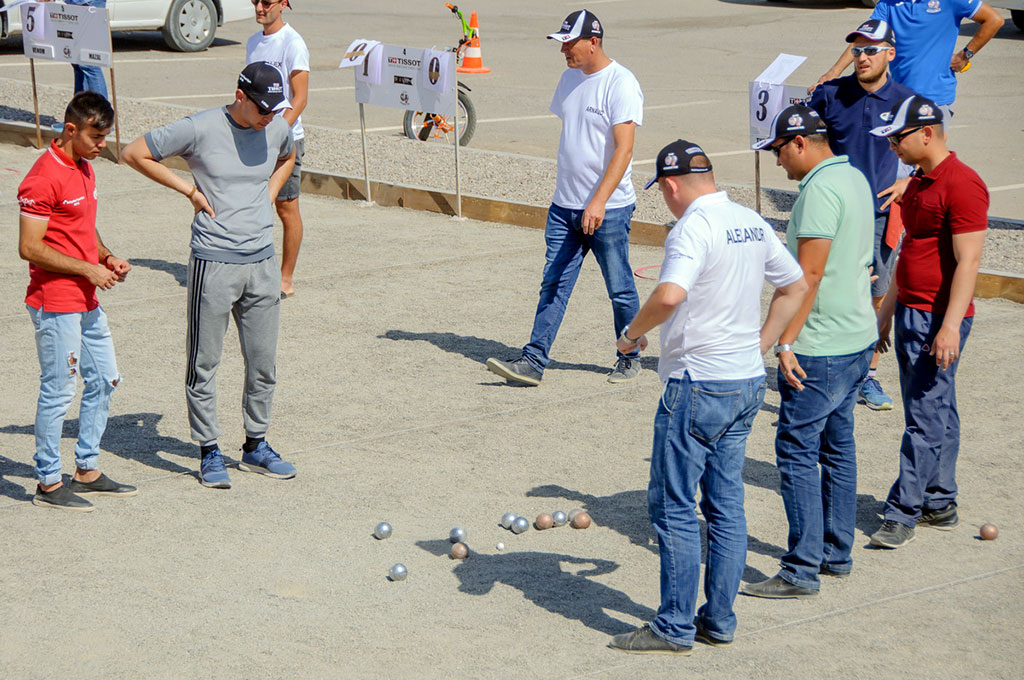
(779, 349)
(969, 54)
(627, 338)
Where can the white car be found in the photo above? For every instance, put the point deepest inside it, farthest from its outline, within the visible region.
(187, 25)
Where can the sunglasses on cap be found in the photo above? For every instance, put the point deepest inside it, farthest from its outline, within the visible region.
(259, 107)
(870, 50)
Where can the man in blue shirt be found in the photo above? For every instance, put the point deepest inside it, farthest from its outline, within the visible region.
(851, 106)
(927, 31)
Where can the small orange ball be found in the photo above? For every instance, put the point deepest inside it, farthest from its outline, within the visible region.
(581, 521)
(460, 551)
(989, 532)
(543, 521)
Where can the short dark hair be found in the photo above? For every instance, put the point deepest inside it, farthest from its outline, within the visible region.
(90, 108)
(817, 138)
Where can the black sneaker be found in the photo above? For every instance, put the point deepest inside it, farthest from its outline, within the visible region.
(703, 636)
(643, 640)
(826, 571)
(892, 535)
(943, 519)
(626, 370)
(61, 498)
(103, 486)
(777, 588)
(515, 371)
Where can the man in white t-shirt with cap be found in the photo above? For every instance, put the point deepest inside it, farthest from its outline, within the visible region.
(601, 105)
(717, 258)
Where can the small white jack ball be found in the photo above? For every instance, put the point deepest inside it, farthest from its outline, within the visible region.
(397, 572)
(499, 547)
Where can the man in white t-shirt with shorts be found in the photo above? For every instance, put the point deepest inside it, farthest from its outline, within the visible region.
(717, 258)
(281, 46)
(601, 105)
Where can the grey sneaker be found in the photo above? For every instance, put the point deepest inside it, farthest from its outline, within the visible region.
(777, 588)
(892, 535)
(61, 498)
(103, 486)
(703, 636)
(626, 369)
(643, 640)
(519, 371)
(943, 519)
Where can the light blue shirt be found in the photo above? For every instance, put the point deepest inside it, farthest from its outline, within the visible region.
(926, 33)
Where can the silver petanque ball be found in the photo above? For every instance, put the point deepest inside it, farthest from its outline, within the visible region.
(397, 572)
(382, 531)
(507, 519)
(560, 518)
(457, 535)
(519, 525)
(574, 512)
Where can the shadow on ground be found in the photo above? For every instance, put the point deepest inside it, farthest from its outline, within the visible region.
(132, 436)
(481, 349)
(557, 583)
(175, 269)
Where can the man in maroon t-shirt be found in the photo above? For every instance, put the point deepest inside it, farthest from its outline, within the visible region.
(945, 214)
(67, 262)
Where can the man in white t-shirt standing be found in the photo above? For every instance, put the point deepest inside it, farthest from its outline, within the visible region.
(717, 258)
(281, 46)
(600, 104)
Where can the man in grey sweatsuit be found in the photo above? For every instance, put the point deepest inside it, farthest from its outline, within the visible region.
(240, 156)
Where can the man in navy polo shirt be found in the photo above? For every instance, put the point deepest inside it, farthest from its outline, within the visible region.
(851, 106)
(927, 61)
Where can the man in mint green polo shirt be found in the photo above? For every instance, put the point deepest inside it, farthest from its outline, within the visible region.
(823, 354)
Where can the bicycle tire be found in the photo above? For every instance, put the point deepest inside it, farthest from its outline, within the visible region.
(465, 103)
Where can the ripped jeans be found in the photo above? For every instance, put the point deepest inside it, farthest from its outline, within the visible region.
(71, 344)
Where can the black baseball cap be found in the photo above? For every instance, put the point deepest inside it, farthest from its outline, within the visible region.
(874, 29)
(676, 159)
(912, 112)
(264, 84)
(580, 24)
(792, 121)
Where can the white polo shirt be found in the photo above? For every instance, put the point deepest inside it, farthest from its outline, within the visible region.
(720, 253)
(285, 50)
(589, 107)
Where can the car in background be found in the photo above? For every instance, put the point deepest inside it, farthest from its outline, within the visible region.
(186, 25)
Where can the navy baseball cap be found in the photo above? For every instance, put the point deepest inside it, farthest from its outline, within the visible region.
(264, 84)
(912, 112)
(792, 121)
(676, 159)
(874, 29)
(580, 24)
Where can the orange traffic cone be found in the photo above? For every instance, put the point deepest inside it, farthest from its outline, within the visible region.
(474, 59)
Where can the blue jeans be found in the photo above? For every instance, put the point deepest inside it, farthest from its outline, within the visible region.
(931, 440)
(700, 439)
(567, 246)
(89, 77)
(816, 428)
(69, 343)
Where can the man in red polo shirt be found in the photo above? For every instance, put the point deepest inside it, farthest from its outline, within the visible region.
(67, 262)
(945, 214)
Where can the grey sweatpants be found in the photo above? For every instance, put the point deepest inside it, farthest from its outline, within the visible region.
(252, 294)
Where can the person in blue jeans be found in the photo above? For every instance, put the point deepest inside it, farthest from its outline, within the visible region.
(717, 258)
(601, 105)
(67, 263)
(823, 355)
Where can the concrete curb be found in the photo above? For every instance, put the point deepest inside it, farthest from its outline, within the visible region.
(990, 284)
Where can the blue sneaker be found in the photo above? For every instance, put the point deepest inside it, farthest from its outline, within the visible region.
(872, 394)
(266, 461)
(212, 472)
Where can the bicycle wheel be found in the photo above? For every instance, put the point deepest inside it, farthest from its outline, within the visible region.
(429, 127)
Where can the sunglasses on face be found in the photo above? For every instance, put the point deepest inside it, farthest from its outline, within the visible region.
(778, 149)
(897, 139)
(870, 50)
(267, 4)
(259, 107)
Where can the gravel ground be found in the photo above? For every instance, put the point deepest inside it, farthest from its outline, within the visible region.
(510, 177)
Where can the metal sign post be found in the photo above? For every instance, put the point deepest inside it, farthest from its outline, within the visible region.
(366, 166)
(35, 103)
(757, 181)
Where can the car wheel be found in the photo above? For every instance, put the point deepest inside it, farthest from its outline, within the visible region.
(869, 3)
(191, 25)
(1017, 15)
